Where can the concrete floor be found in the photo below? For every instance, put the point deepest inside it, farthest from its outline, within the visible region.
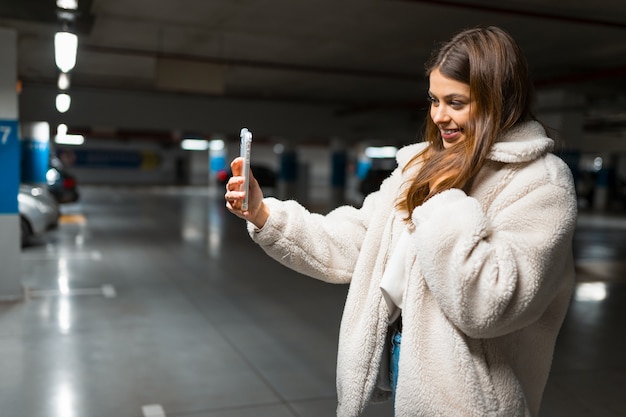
(154, 302)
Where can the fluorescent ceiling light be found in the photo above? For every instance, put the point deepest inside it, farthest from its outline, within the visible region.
(62, 129)
(69, 139)
(194, 145)
(67, 4)
(63, 102)
(62, 138)
(64, 81)
(591, 292)
(65, 49)
(216, 144)
(381, 152)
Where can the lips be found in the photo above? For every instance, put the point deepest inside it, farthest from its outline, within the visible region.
(450, 134)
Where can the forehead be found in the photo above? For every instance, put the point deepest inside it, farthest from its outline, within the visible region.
(442, 86)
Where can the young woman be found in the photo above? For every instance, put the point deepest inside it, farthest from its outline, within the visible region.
(463, 257)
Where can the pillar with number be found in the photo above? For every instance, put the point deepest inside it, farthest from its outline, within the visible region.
(10, 246)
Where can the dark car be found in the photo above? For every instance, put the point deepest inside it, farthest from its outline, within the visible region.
(373, 179)
(61, 183)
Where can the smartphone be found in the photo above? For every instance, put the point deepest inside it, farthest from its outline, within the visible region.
(246, 145)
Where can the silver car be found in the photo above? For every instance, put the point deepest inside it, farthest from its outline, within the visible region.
(39, 211)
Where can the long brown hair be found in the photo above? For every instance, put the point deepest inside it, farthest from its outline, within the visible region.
(494, 67)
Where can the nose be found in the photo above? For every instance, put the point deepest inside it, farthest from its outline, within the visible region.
(439, 114)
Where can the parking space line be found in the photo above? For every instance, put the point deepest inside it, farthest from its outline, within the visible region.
(53, 255)
(153, 410)
(107, 291)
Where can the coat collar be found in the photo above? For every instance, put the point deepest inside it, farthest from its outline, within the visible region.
(523, 143)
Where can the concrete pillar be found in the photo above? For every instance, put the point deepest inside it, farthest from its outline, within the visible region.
(606, 164)
(198, 167)
(10, 248)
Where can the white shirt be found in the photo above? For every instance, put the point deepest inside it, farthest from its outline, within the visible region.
(394, 279)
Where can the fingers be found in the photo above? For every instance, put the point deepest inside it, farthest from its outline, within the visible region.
(234, 205)
(234, 196)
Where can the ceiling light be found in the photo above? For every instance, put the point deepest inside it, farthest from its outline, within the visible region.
(216, 144)
(64, 81)
(62, 129)
(381, 151)
(67, 4)
(65, 49)
(63, 138)
(63, 102)
(591, 291)
(69, 139)
(194, 144)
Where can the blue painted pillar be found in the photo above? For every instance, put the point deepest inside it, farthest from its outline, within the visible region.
(35, 152)
(217, 160)
(288, 174)
(338, 167)
(9, 166)
(10, 247)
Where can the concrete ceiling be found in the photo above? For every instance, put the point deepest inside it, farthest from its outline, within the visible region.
(362, 54)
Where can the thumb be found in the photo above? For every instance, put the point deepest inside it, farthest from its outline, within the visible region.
(236, 166)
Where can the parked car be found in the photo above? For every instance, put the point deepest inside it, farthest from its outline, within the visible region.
(373, 179)
(39, 212)
(61, 183)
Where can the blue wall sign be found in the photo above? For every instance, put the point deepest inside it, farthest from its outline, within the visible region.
(9, 166)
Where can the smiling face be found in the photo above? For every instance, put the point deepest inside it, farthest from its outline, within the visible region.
(450, 107)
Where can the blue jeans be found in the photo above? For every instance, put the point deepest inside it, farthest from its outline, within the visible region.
(396, 339)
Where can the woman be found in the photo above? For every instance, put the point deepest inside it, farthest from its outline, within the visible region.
(464, 254)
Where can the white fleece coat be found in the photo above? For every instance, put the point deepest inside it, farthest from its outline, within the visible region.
(490, 278)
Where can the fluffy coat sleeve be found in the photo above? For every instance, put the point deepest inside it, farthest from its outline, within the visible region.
(325, 247)
(494, 273)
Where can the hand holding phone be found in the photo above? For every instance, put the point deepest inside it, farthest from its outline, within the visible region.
(246, 145)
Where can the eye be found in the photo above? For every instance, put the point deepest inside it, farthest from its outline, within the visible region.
(432, 100)
(457, 104)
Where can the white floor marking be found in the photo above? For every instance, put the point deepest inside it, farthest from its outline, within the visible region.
(107, 291)
(153, 410)
(54, 255)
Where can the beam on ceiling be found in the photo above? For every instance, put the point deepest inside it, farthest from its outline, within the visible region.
(523, 13)
(280, 66)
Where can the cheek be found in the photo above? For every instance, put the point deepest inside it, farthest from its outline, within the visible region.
(464, 117)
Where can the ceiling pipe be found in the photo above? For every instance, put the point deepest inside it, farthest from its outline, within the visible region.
(523, 13)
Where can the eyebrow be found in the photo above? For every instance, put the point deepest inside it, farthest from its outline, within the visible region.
(449, 96)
